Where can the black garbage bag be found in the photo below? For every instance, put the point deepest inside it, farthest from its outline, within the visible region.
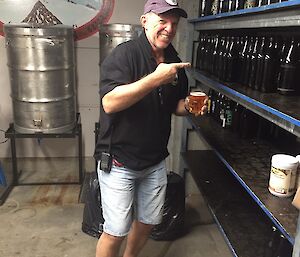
(93, 220)
(172, 225)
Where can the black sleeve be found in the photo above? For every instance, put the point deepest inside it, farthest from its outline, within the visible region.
(115, 70)
(183, 84)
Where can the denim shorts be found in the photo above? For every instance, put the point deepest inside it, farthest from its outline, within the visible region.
(128, 194)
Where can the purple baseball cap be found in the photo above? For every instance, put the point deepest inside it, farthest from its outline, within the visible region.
(162, 6)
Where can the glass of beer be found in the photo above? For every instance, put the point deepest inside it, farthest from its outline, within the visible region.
(195, 101)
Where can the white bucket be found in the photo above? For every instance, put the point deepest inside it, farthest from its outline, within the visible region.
(298, 172)
(282, 181)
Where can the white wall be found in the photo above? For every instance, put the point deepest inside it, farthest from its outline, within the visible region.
(87, 53)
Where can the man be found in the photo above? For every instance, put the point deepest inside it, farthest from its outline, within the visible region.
(142, 84)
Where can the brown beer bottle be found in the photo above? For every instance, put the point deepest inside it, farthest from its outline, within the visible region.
(214, 56)
(247, 62)
(239, 67)
(222, 59)
(259, 63)
(250, 4)
(224, 6)
(201, 8)
(200, 52)
(236, 117)
(215, 7)
(231, 59)
(253, 64)
(289, 69)
(240, 4)
(270, 66)
(207, 7)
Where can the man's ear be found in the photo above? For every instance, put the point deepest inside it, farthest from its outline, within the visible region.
(143, 20)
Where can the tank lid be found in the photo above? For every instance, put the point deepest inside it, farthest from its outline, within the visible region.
(118, 27)
(37, 29)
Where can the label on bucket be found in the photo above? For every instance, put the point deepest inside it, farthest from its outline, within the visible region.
(282, 181)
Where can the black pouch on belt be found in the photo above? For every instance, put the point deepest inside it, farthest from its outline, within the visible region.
(106, 158)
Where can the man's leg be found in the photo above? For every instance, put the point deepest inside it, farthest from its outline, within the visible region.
(137, 238)
(150, 198)
(108, 246)
(117, 192)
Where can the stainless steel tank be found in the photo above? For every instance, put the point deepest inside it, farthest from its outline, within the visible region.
(41, 66)
(111, 35)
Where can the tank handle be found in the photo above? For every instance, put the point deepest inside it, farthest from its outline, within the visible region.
(51, 41)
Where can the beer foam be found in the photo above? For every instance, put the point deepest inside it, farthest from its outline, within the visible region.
(197, 93)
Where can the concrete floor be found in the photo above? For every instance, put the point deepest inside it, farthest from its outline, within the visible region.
(45, 220)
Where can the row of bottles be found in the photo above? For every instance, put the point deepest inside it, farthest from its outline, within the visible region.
(264, 63)
(231, 115)
(213, 7)
(243, 122)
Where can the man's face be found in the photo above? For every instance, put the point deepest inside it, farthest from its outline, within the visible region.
(160, 29)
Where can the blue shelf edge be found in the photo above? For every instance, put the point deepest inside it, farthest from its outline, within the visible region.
(250, 100)
(257, 200)
(253, 10)
(223, 232)
(252, 194)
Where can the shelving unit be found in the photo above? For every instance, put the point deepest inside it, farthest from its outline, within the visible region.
(284, 14)
(246, 162)
(279, 109)
(249, 162)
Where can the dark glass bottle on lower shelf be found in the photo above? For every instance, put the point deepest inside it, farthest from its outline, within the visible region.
(213, 102)
(228, 113)
(242, 59)
(214, 55)
(253, 64)
(222, 61)
(259, 62)
(209, 101)
(207, 7)
(236, 117)
(217, 106)
(247, 62)
(250, 4)
(240, 4)
(205, 61)
(232, 5)
(264, 128)
(270, 67)
(268, 2)
(222, 111)
(231, 61)
(224, 6)
(215, 6)
(289, 70)
(240, 44)
(201, 10)
(248, 124)
(201, 52)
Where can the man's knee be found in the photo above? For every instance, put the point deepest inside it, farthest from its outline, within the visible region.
(112, 238)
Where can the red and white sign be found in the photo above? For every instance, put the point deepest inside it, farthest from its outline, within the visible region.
(84, 15)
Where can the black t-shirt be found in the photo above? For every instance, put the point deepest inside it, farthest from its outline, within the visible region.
(141, 132)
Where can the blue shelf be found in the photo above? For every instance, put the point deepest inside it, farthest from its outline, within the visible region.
(256, 199)
(285, 14)
(282, 110)
(239, 155)
(246, 228)
(255, 10)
